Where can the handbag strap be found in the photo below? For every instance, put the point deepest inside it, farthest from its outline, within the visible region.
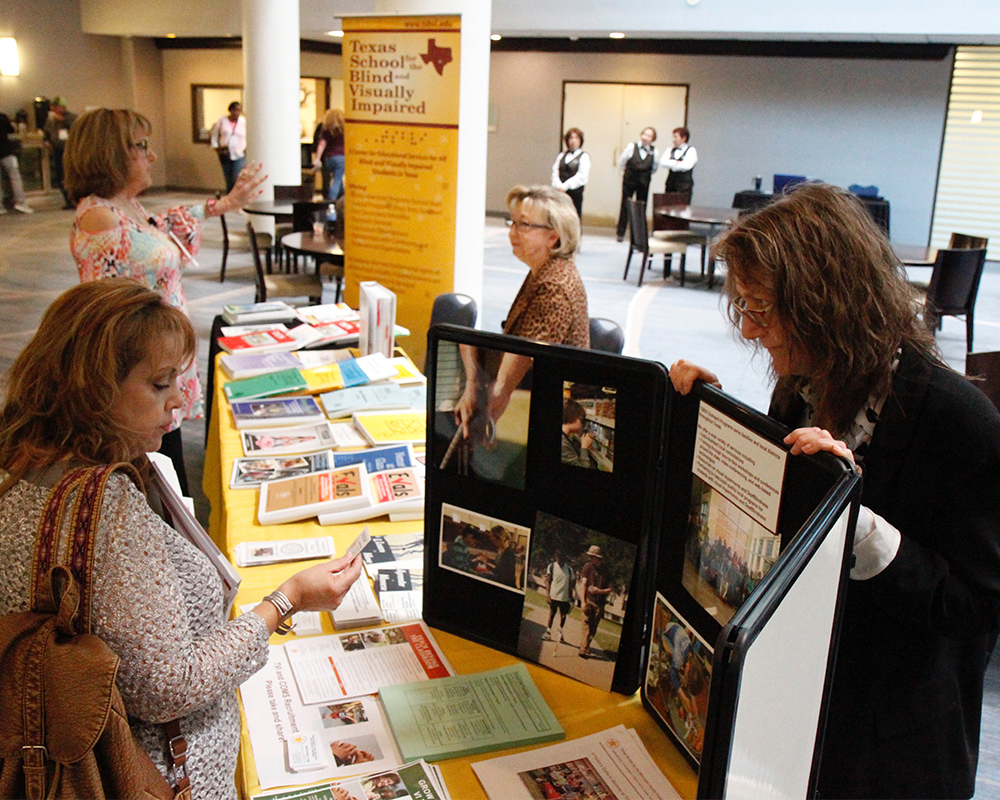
(78, 592)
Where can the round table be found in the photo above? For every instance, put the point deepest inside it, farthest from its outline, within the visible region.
(325, 249)
(714, 217)
(281, 210)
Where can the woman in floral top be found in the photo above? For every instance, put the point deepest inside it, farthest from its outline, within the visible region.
(108, 165)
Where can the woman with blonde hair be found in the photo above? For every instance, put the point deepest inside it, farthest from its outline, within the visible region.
(330, 152)
(814, 283)
(550, 306)
(109, 161)
(98, 384)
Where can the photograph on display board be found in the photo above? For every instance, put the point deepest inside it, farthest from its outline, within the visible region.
(575, 600)
(677, 676)
(726, 553)
(482, 404)
(588, 426)
(732, 538)
(486, 548)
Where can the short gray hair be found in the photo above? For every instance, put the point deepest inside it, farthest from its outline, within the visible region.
(559, 212)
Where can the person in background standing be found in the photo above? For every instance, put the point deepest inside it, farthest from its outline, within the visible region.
(229, 138)
(593, 595)
(681, 163)
(56, 132)
(572, 169)
(639, 160)
(560, 584)
(8, 161)
(330, 152)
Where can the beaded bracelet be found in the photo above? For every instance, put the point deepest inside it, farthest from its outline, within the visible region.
(284, 608)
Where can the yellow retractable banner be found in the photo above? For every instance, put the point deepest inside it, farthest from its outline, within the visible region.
(401, 81)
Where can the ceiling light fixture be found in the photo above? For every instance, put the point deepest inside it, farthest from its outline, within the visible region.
(616, 35)
(496, 37)
(9, 63)
(338, 34)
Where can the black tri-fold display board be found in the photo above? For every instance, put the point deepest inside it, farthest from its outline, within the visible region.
(583, 515)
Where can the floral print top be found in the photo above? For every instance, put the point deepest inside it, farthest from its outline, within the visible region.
(146, 253)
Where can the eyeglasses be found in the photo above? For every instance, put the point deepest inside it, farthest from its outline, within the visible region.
(522, 226)
(758, 316)
(142, 144)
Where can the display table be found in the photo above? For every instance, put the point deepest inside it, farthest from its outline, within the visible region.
(581, 709)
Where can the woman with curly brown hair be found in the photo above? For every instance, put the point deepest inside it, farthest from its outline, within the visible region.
(814, 283)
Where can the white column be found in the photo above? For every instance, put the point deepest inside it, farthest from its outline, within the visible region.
(271, 88)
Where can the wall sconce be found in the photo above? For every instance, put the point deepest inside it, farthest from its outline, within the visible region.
(9, 64)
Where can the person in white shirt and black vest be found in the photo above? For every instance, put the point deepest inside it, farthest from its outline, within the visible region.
(639, 160)
(681, 163)
(572, 169)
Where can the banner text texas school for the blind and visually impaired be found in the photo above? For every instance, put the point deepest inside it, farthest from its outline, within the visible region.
(401, 89)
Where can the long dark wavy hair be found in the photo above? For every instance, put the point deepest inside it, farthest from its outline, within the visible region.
(63, 389)
(839, 292)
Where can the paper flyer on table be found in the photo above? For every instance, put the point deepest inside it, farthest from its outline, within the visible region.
(295, 743)
(493, 710)
(415, 781)
(610, 764)
(330, 668)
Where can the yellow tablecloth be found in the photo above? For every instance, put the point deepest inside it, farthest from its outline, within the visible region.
(580, 709)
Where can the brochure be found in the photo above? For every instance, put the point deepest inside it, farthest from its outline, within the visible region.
(610, 764)
(468, 714)
(277, 441)
(295, 743)
(249, 473)
(330, 668)
(271, 412)
(416, 781)
(306, 496)
(252, 554)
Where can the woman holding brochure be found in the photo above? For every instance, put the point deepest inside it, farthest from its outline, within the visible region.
(814, 283)
(98, 384)
(109, 162)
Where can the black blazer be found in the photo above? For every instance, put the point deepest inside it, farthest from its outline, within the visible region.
(907, 690)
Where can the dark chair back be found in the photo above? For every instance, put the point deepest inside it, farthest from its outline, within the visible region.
(454, 309)
(953, 287)
(750, 201)
(255, 246)
(661, 222)
(606, 335)
(304, 212)
(963, 241)
(985, 366)
(302, 191)
(225, 247)
(638, 231)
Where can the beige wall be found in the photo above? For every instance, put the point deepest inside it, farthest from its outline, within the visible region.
(841, 120)
(194, 165)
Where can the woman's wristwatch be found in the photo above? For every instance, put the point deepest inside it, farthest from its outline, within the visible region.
(284, 608)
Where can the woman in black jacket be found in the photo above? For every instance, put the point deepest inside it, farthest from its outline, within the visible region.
(813, 282)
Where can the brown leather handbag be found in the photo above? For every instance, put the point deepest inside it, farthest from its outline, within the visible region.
(64, 732)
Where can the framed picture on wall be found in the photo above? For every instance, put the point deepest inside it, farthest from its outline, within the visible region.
(208, 103)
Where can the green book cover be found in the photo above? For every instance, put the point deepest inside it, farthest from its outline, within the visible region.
(467, 714)
(283, 381)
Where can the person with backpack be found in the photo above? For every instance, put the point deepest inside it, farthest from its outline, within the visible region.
(96, 386)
